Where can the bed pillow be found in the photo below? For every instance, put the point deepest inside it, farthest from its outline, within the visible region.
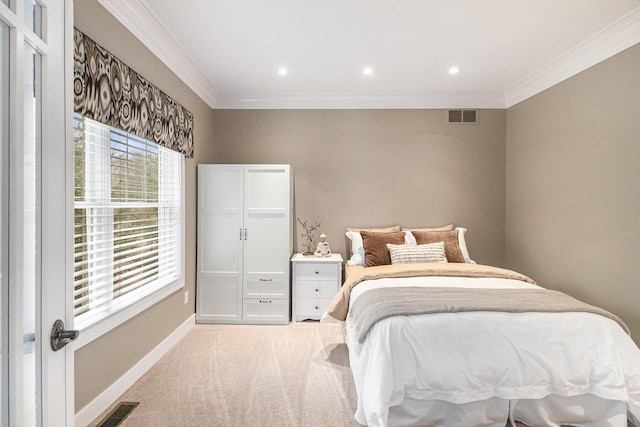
(410, 254)
(463, 245)
(455, 246)
(376, 230)
(356, 252)
(447, 227)
(409, 238)
(375, 246)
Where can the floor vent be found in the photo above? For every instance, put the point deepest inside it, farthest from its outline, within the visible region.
(118, 415)
(462, 116)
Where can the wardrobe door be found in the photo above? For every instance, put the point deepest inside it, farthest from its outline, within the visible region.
(267, 198)
(220, 243)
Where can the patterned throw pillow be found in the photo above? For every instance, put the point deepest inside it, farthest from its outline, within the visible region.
(409, 254)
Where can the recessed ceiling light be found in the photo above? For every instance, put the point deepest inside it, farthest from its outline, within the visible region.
(282, 71)
(368, 71)
(454, 70)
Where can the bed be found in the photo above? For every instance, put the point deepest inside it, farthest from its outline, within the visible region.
(442, 343)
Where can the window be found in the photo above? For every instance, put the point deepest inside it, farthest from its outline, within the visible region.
(33, 16)
(128, 220)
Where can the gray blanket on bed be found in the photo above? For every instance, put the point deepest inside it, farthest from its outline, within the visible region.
(377, 304)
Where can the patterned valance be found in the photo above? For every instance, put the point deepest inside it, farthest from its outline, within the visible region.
(108, 91)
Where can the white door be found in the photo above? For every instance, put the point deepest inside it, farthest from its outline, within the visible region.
(221, 236)
(267, 201)
(35, 52)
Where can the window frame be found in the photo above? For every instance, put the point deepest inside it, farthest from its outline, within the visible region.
(131, 309)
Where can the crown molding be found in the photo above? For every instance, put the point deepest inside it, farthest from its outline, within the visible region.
(342, 101)
(138, 18)
(620, 35)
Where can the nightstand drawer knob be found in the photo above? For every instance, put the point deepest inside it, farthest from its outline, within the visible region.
(266, 280)
(317, 272)
(316, 307)
(316, 290)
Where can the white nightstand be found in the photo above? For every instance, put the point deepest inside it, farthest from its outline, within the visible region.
(315, 281)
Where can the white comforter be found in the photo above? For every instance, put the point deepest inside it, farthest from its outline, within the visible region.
(482, 368)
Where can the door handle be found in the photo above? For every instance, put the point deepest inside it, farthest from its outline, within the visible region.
(60, 336)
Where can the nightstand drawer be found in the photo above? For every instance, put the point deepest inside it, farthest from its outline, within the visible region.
(311, 308)
(316, 271)
(316, 288)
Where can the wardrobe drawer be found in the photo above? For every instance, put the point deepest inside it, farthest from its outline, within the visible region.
(266, 310)
(266, 285)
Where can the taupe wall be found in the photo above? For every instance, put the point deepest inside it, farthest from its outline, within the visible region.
(100, 363)
(360, 168)
(573, 186)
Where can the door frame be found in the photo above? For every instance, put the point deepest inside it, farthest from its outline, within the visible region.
(54, 215)
(57, 224)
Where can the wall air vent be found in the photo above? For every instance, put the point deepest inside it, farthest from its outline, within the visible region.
(462, 116)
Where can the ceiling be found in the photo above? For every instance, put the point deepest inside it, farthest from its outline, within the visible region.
(230, 51)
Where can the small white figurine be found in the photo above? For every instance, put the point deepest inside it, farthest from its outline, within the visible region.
(323, 250)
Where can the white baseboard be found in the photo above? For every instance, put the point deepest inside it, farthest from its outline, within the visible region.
(100, 404)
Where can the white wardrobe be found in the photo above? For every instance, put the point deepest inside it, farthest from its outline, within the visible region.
(244, 243)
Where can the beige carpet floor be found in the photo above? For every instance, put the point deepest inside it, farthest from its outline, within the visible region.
(223, 375)
(236, 376)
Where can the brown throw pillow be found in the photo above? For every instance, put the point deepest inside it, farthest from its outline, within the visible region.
(450, 239)
(375, 246)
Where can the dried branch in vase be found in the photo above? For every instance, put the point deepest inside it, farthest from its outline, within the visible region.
(309, 235)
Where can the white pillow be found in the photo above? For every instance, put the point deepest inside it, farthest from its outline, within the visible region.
(463, 245)
(417, 254)
(357, 246)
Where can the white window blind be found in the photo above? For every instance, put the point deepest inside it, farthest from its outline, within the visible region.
(128, 219)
